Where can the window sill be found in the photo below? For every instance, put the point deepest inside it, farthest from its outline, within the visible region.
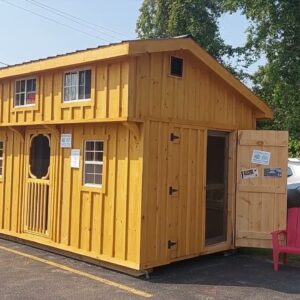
(81, 102)
(175, 77)
(25, 107)
(93, 188)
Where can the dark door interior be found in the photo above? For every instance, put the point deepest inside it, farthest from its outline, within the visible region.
(216, 187)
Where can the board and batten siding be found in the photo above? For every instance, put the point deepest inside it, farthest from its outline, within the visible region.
(109, 97)
(200, 96)
(103, 223)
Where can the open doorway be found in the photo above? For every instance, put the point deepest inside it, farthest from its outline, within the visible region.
(216, 188)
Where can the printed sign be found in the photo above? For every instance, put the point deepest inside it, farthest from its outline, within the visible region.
(273, 172)
(249, 173)
(75, 158)
(261, 157)
(66, 140)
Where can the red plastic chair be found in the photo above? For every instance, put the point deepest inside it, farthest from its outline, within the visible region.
(292, 237)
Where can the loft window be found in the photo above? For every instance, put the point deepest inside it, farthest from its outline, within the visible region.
(176, 66)
(1, 157)
(25, 92)
(93, 163)
(77, 85)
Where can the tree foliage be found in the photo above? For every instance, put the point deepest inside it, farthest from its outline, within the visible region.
(169, 18)
(274, 32)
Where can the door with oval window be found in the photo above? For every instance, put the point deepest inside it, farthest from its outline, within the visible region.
(38, 193)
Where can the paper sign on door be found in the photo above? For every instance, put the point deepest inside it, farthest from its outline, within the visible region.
(75, 158)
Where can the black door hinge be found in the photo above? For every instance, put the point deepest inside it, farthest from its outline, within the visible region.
(171, 244)
(172, 191)
(174, 137)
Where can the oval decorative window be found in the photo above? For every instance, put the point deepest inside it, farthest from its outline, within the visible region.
(39, 156)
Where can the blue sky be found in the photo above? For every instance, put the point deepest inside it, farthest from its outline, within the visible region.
(25, 36)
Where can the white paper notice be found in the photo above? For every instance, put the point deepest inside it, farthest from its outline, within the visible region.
(66, 140)
(75, 158)
(261, 157)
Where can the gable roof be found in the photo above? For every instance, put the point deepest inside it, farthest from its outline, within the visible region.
(135, 47)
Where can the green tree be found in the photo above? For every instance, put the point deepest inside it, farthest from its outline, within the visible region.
(274, 32)
(169, 18)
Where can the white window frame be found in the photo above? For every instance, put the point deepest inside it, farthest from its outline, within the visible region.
(92, 162)
(2, 158)
(25, 92)
(77, 71)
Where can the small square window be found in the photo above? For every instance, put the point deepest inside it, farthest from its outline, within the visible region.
(77, 85)
(93, 163)
(176, 66)
(25, 92)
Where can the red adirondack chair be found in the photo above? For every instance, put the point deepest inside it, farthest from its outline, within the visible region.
(292, 237)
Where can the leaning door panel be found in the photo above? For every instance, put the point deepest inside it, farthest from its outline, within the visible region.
(261, 191)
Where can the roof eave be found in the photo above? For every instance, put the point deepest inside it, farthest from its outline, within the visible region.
(71, 59)
(263, 116)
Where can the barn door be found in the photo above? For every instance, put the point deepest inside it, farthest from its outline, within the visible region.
(261, 186)
(185, 185)
(38, 174)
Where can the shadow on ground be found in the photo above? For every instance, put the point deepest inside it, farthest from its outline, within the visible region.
(237, 270)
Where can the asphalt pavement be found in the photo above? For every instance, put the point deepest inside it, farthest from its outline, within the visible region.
(30, 273)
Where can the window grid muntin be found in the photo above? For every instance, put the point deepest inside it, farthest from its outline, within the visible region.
(24, 89)
(94, 177)
(1, 157)
(75, 85)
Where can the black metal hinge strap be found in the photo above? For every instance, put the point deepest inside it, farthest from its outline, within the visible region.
(172, 190)
(173, 137)
(171, 244)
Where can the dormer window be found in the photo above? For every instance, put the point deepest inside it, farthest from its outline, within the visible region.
(77, 85)
(25, 92)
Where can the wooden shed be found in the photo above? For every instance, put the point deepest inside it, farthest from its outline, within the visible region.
(137, 154)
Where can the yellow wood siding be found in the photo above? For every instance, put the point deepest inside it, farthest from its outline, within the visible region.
(200, 96)
(109, 98)
(104, 222)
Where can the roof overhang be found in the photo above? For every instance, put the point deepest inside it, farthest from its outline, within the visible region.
(66, 60)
